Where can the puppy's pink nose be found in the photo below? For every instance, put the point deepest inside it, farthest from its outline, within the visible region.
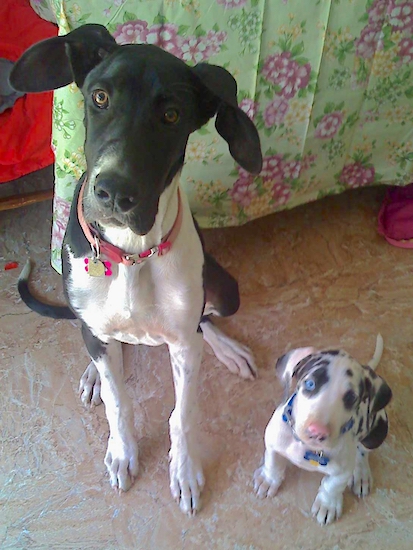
(318, 431)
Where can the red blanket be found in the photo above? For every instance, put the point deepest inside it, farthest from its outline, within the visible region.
(25, 130)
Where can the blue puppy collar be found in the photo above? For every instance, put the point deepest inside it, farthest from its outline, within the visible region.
(316, 458)
(288, 410)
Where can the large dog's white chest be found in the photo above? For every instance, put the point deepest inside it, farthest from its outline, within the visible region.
(128, 305)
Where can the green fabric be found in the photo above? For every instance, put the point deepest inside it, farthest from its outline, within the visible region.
(328, 83)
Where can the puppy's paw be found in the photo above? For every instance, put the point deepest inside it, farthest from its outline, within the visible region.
(327, 508)
(121, 461)
(186, 481)
(361, 482)
(264, 484)
(89, 386)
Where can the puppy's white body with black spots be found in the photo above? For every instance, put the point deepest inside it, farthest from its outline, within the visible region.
(329, 424)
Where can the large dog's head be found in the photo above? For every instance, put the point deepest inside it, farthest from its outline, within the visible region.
(141, 105)
(334, 394)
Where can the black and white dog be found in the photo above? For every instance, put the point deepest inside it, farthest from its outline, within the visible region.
(134, 268)
(329, 424)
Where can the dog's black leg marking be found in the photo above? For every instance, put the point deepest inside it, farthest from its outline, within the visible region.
(95, 347)
(377, 435)
(221, 289)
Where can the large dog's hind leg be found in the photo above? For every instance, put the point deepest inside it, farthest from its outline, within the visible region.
(121, 458)
(186, 477)
(222, 299)
(235, 356)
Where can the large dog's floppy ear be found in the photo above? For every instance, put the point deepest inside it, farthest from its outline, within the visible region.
(58, 61)
(231, 121)
(291, 364)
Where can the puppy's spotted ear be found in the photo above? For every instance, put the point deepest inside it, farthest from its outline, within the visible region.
(382, 397)
(375, 390)
(289, 364)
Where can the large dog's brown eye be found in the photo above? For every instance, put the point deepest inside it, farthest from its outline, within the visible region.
(100, 99)
(171, 116)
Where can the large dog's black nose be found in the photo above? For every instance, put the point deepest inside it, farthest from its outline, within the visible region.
(112, 194)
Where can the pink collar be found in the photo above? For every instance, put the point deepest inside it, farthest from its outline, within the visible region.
(117, 255)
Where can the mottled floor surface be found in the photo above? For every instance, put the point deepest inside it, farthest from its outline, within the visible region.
(318, 275)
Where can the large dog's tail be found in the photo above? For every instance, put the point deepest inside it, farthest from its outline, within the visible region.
(378, 352)
(47, 310)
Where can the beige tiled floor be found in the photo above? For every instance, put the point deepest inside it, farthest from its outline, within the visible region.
(318, 275)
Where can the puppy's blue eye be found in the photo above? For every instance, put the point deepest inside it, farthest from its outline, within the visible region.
(309, 385)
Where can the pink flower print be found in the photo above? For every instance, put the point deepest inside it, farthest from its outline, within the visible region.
(217, 37)
(281, 70)
(307, 161)
(329, 125)
(377, 12)
(194, 49)
(166, 37)
(214, 42)
(249, 106)
(59, 229)
(232, 3)
(280, 193)
(272, 167)
(367, 43)
(61, 209)
(291, 169)
(244, 191)
(132, 32)
(275, 112)
(400, 15)
(406, 50)
(357, 175)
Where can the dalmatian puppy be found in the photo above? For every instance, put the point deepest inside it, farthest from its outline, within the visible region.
(331, 422)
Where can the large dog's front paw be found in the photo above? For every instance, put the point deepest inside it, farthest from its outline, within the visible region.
(327, 507)
(89, 386)
(187, 481)
(264, 484)
(361, 481)
(121, 461)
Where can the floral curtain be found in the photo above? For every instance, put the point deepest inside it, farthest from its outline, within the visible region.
(328, 83)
